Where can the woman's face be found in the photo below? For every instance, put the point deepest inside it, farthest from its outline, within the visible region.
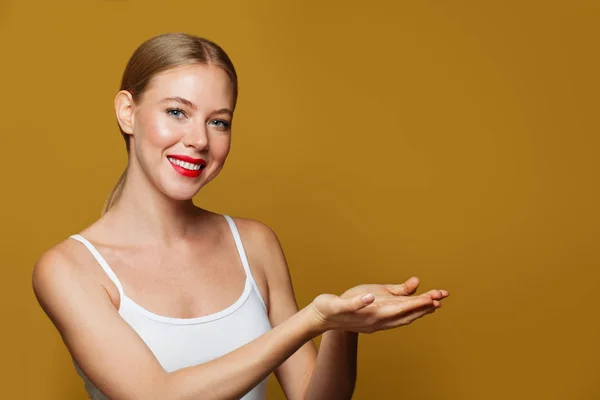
(181, 128)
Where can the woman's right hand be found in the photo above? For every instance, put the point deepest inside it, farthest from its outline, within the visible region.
(374, 308)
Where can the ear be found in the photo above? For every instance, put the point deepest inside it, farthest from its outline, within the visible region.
(124, 107)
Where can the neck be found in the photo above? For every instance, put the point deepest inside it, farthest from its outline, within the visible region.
(145, 213)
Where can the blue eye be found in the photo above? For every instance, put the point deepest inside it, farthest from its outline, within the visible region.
(176, 112)
(219, 123)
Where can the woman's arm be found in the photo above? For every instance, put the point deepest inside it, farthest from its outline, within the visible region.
(334, 376)
(329, 374)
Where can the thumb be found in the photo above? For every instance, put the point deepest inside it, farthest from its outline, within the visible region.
(357, 302)
(405, 289)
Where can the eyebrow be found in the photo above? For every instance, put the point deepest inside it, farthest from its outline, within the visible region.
(223, 111)
(179, 100)
(193, 106)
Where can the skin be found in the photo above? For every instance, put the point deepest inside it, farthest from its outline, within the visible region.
(167, 252)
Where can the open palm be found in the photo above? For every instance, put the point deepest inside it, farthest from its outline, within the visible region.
(396, 292)
(371, 307)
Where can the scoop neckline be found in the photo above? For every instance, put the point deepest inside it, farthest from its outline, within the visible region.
(193, 320)
(248, 285)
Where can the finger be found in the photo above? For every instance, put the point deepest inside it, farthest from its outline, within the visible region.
(407, 319)
(435, 294)
(396, 309)
(407, 288)
(357, 302)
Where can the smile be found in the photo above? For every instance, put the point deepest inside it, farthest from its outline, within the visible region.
(187, 168)
(186, 165)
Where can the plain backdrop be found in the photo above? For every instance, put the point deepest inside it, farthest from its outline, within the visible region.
(452, 140)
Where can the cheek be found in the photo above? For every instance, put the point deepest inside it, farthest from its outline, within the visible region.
(158, 131)
(219, 147)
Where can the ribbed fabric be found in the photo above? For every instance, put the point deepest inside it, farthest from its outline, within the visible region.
(184, 342)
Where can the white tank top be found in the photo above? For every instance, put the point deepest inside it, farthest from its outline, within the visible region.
(184, 342)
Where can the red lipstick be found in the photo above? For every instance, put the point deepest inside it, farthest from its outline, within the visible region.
(192, 168)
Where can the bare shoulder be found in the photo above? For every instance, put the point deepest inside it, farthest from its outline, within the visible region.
(56, 271)
(264, 249)
(256, 232)
(53, 265)
(262, 245)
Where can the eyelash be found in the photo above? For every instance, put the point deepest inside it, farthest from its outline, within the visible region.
(224, 124)
(179, 110)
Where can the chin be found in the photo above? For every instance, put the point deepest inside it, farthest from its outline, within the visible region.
(182, 196)
(181, 193)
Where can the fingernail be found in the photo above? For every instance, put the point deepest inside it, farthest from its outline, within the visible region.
(367, 297)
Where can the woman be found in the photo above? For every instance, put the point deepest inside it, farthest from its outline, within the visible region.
(153, 249)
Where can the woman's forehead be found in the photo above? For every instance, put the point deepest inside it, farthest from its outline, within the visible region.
(193, 81)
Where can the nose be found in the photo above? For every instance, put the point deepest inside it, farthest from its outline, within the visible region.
(196, 137)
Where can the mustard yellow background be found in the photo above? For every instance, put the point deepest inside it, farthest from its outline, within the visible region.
(452, 140)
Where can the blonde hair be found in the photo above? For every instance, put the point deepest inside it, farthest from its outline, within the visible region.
(159, 54)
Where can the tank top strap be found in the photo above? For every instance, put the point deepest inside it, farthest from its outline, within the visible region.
(102, 262)
(242, 253)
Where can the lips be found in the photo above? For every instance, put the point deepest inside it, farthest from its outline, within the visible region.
(186, 165)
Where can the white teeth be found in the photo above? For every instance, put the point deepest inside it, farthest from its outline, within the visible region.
(186, 165)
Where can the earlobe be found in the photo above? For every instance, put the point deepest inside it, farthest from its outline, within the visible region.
(124, 110)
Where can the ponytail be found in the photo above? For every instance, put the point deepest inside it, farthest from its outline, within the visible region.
(115, 194)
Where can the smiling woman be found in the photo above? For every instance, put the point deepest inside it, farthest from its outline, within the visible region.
(163, 54)
(160, 299)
